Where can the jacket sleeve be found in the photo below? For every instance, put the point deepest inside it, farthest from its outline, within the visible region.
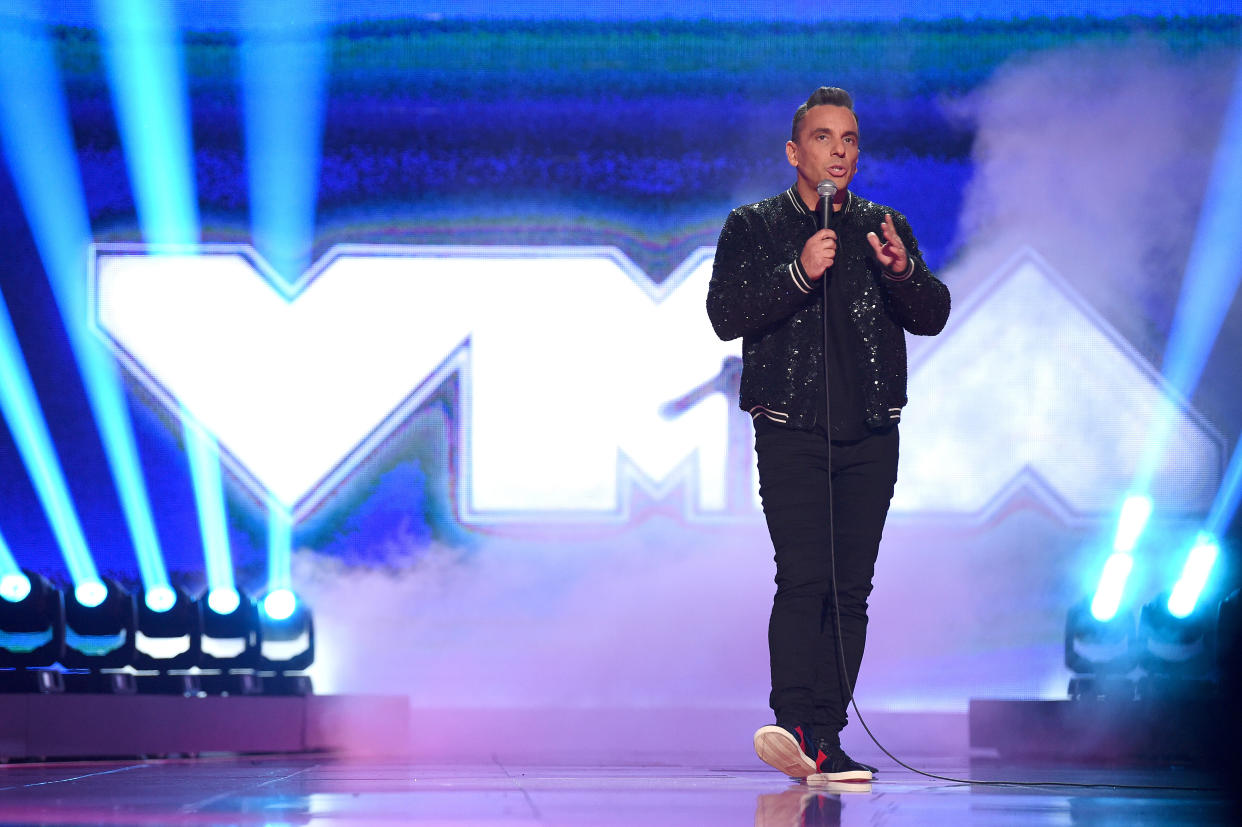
(748, 292)
(918, 300)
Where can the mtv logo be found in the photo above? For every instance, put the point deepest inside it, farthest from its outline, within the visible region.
(583, 381)
(566, 357)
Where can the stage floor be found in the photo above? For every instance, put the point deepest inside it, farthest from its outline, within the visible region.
(333, 791)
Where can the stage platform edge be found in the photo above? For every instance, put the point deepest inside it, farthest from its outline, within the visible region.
(1108, 731)
(66, 726)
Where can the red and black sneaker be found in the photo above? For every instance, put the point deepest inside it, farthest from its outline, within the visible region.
(832, 764)
(786, 749)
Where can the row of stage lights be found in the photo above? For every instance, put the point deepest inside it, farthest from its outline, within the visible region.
(1152, 652)
(1172, 644)
(162, 641)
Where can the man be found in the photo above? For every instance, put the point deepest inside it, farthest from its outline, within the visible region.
(824, 379)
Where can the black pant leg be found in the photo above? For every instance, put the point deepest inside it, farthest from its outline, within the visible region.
(793, 485)
(864, 474)
(807, 685)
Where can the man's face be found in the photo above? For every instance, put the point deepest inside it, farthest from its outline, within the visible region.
(827, 147)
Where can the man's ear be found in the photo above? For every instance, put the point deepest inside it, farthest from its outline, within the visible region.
(791, 153)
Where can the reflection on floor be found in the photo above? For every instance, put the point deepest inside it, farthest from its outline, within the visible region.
(333, 791)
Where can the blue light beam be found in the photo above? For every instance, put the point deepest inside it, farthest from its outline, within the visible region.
(1135, 512)
(279, 548)
(283, 57)
(25, 418)
(204, 457)
(1227, 496)
(38, 145)
(1195, 572)
(142, 53)
(14, 584)
(1213, 272)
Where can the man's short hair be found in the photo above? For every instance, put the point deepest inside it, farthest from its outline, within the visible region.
(824, 95)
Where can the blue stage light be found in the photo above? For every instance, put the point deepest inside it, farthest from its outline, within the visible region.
(90, 593)
(32, 636)
(160, 598)
(39, 148)
(280, 604)
(168, 638)
(223, 601)
(99, 633)
(14, 587)
(1185, 593)
(1176, 647)
(230, 642)
(286, 644)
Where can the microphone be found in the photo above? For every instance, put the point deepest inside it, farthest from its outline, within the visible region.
(827, 191)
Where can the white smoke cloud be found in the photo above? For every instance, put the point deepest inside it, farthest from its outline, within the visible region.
(1097, 157)
(650, 617)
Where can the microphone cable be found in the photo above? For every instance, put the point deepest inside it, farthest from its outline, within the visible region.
(826, 190)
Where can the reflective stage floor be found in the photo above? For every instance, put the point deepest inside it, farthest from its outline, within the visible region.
(285, 790)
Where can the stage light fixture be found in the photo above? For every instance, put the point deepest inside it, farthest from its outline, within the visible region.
(287, 644)
(167, 646)
(99, 640)
(32, 636)
(230, 643)
(1100, 653)
(1176, 647)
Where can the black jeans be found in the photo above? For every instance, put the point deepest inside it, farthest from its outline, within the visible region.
(807, 684)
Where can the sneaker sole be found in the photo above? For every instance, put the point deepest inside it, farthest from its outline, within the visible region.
(843, 787)
(778, 749)
(848, 776)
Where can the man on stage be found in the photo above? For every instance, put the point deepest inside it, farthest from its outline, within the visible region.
(822, 312)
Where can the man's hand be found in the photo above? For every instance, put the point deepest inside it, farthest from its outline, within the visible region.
(819, 252)
(892, 253)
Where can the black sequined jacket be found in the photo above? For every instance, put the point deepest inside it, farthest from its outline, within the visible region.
(760, 291)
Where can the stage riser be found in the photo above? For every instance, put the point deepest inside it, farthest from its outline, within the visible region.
(86, 726)
(1112, 731)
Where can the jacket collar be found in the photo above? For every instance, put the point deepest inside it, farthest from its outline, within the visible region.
(800, 206)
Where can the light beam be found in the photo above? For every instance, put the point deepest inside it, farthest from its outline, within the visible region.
(142, 53)
(38, 145)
